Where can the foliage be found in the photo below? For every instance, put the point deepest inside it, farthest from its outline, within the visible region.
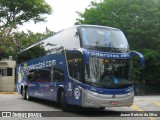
(138, 19)
(14, 13)
(17, 12)
(21, 40)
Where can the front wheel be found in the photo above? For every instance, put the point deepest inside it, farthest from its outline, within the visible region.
(64, 104)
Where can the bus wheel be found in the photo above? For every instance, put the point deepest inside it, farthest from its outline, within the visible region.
(24, 93)
(27, 95)
(64, 104)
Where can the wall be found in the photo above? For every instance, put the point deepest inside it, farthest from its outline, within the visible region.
(7, 82)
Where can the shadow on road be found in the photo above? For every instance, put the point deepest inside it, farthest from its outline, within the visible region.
(74, 111)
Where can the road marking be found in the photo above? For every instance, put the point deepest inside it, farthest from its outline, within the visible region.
(157, 103)
(8, 92)
(136, 108)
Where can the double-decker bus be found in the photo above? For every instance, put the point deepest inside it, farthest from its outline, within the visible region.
(85, 65)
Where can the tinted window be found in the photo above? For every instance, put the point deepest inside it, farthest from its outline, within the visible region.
(58, 75)
(71, 38)
(109, 73)
(53, 44)
(46, 75)
(32, 53)
(75, 64)
(39, 75)
(101, 37)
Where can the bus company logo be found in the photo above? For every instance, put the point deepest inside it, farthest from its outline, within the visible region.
(77, 93)
(109, 55)
(21, 114)
(6, 114)
(44, 64)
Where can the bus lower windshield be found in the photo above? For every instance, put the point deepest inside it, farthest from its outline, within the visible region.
(107, 73)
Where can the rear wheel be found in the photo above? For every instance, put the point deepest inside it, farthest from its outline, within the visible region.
(63, 101)
(27, 95)
(24, 93)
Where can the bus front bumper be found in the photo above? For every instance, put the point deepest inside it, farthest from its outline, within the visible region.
(96, 100)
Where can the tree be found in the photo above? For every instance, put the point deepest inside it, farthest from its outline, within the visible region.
(17, 12)
(14, 13)
(138, 19)
(22, 40)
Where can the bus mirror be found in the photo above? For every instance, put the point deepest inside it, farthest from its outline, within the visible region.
(140, 56)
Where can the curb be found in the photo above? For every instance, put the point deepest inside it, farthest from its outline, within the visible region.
(8, 93)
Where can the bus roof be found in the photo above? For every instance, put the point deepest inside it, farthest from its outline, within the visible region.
(75, 26)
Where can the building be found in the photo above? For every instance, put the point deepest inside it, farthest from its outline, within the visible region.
(7, 75)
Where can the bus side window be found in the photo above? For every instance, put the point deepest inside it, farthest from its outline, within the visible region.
(31, 76)
(75, 64)
(61, 77)
(39, 75)
(58, 75)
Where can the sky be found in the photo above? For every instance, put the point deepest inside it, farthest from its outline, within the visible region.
(63, 15)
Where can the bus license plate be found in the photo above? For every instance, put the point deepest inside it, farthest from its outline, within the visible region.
(113, 103)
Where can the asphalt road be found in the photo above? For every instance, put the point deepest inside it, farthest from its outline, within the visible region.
(12, 104)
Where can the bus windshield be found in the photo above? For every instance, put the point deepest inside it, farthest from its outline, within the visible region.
(107, 73)
(98, 38)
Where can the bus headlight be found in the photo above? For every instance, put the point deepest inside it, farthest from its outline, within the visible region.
(130, 93)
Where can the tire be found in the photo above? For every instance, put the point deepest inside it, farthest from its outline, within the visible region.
(63, 101)
(24, 94)
(27, 95)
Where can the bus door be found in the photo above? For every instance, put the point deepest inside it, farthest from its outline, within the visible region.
(76, 74)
